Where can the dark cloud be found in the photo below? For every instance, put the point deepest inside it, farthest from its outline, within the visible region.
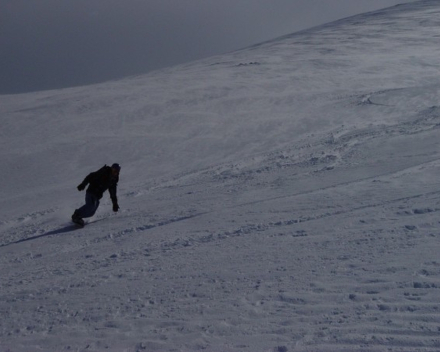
(47, 44)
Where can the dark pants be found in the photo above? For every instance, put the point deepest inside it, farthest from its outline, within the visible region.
(88, 209)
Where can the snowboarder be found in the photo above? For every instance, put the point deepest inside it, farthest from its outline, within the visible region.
(106, 178)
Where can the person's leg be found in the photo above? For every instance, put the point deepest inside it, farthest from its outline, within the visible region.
(88, 209)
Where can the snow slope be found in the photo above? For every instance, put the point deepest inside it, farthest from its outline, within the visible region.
(280, 198)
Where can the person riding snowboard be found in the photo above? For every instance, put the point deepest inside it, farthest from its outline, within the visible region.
(106, 178)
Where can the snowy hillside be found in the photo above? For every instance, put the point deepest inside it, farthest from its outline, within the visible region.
(281, 198)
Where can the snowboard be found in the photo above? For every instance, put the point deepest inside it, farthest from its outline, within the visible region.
(79, 222)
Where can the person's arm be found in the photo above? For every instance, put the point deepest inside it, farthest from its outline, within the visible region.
(89, 178)
(112, 190)
(86, 181)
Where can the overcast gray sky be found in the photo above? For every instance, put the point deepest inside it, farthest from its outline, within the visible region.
(46, 44)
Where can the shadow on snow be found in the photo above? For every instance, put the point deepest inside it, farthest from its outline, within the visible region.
(65, 229)
(59, 231)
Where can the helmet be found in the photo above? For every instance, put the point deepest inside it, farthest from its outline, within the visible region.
(116, 166)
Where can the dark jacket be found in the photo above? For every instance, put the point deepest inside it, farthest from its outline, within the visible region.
(101, 181)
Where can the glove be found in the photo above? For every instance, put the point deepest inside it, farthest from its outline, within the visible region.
(115, 207)
(81, 187)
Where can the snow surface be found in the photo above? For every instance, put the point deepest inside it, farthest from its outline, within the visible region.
(281, 198)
